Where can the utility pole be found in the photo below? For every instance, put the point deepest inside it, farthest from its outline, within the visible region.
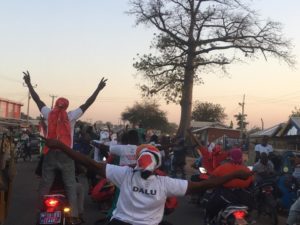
(262, 123)
(28, 102)
(53, 97)
(242, 104)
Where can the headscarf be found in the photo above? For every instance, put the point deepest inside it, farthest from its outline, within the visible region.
(148, 158)
(236, 155)
(59, 126)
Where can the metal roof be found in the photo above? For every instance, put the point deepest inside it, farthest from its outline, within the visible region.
(200, 124)
(270, 132)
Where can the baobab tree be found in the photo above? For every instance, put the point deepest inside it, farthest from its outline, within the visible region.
(195, 37)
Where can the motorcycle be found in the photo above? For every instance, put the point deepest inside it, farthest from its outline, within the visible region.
(56, 208)
(233, 215)
(266, 201)
(224, 207)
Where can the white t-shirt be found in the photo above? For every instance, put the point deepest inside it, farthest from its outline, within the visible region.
(260, 148)
(126, 153)
(142, 202)
(73, 116)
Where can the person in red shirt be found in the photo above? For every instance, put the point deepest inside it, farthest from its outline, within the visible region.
(210, 160)
(235, 163)
(235, 191)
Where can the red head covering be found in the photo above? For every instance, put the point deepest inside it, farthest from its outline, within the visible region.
(59, 126)
(236, 155)
(148, 158)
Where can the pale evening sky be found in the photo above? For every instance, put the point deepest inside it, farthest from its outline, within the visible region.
(68, 45)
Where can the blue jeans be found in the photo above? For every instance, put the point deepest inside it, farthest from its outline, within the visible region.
(57, 160)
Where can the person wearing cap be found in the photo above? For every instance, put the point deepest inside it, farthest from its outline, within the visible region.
(143, 194)
(61, 127)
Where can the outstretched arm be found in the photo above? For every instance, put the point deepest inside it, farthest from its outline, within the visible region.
(93, 97)
(32, 92)
(194, 187)
(194, 139)
(78, 157)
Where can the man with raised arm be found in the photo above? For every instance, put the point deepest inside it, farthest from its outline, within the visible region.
(60, 125)
(142, 193)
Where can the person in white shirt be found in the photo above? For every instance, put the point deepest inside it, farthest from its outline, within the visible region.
(61, 125)
(264, 169)
(143, 194)
(263, 147)
(105, 141)
(126, 152)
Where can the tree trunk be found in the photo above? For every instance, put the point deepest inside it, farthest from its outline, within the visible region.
(187, 96)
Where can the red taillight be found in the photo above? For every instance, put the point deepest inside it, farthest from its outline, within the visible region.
(239, 214)
(51, 202)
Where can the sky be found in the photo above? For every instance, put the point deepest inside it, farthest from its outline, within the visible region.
(69, 45)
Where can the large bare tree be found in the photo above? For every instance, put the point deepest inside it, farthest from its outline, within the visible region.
(196, 37)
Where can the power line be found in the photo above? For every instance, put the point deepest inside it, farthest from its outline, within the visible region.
(10, 79)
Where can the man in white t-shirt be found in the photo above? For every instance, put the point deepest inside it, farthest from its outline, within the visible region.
(63, 131)
(143, 194)
(263, 147)
(126, 152)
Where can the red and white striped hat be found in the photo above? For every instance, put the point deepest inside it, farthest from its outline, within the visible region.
(148, 158)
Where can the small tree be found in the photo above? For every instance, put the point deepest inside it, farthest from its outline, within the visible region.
(241, 121)
(295, 112)
(207, 111)
(146, 113)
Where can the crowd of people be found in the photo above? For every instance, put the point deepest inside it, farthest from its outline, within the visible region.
(147, 172)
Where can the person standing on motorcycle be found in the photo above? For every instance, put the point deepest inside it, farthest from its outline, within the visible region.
(234, 191)
(60, 126)
(143, 194)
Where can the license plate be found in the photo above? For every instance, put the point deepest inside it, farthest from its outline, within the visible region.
(50, 217)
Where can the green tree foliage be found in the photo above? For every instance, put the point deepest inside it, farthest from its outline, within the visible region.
(241, 120)
(207, 111)
(295, 112)
(195, 37)
(148, 114)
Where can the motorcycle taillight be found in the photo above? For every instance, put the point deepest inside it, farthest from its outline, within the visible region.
(239, 214)
(51, 202)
